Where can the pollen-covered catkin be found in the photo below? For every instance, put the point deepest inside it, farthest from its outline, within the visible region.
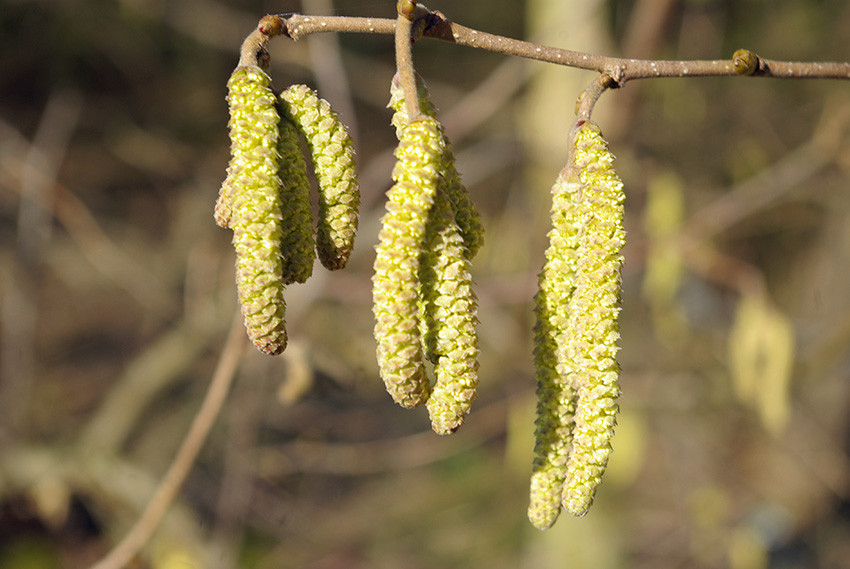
(333, 159)
(450, 309)
(254, 200)
(555, 395)
(466, 217)
(395, 287)
(593, 311)
(298, 247)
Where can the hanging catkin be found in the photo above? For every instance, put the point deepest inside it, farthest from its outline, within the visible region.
(449, 308)
(593, 313)
(401, 241)
(250, 204)
(466, 217)
(333, 159)
(555, 395)
(447, 304)
(298, 247)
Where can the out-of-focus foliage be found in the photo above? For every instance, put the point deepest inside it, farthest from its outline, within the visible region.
(117, 289)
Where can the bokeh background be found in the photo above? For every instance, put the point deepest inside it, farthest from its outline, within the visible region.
(116, 293)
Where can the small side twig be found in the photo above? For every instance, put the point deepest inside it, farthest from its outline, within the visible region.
(407, 12)
(587, 99)
(165, 493)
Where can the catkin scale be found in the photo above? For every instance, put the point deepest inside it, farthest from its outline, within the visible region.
(250, 204)
(332, 153)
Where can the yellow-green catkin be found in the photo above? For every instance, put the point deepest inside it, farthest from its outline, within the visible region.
(555, 395)
(448, 306)
(298, 246)
(401, 241)
(333, 159)
(450, 309)
(593, 315)
(466, 217)
(253, 198)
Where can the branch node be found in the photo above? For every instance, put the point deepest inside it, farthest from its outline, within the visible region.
(746, 62)
(285, 17)
(615, 78)
(271, 25)
(406, 8)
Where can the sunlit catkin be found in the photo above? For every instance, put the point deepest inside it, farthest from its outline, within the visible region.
(555, 395)
(450, 308)
(593, 314)
(254, 199)
(333, 158)
(466, 217)
(395, 288)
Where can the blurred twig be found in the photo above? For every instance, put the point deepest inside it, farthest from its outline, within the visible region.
(774, 182)
(358, 459)
(20, 303)
(147, 375)
(173, 479)
(237, 480)
(96, 246)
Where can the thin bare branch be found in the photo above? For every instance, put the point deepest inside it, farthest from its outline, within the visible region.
(622, 70)
(173, 479)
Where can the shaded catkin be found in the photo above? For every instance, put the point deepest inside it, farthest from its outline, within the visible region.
(593, 312)
(333, 159)
(251, 206)
(401, 242)
(555, 395)
(298, 247)
(466, 216)
(450, 309)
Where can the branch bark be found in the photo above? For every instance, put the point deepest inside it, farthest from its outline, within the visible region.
(621, 70)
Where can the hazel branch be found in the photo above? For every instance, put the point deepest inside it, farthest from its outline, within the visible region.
(619, 69)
